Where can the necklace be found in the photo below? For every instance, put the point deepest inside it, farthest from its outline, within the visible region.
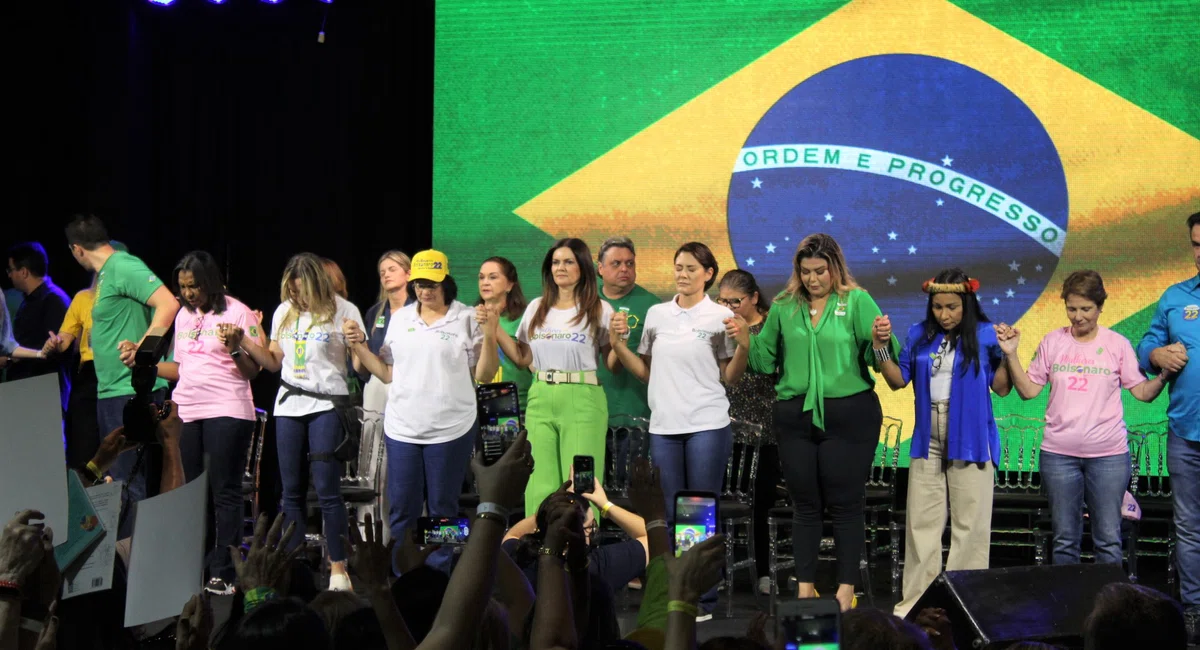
(812, 312)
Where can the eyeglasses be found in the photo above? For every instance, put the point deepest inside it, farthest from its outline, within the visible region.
(423, 285)
(732, 303)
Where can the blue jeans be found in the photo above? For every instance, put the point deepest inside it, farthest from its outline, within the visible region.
(692, 461)
(296, 438)
(110, 414)
(432, 475)
(224, 442)
(1101, 484)
(1183, 464)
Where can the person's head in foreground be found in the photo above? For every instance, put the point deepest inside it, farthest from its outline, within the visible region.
(1132, 616)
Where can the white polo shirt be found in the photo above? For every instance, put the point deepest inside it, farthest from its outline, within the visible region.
(432, 395)
(559, 344)
(685, 392)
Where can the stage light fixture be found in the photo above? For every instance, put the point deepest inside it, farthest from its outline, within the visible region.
(162, 2)
(217, 2)
(272, 2)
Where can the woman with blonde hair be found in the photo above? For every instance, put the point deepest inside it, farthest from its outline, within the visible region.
(563, 338)
(393, 267)
(818, 334)
(309, 351)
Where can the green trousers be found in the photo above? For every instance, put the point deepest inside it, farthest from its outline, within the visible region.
(563, 421)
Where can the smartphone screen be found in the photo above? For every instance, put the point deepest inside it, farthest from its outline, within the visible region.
(585, 474)
(695, 519)
(810, 625)
(499, 414)
(447, 531)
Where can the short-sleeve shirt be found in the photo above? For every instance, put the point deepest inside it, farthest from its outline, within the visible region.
(120, 313)
(1085, 417)
(42, 310)
(314, 357)
(210, 384)
(431, 398)
(78, 322)
(559, 344)
(685, 346)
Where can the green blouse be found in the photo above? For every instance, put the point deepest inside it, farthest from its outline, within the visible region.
(829, 360)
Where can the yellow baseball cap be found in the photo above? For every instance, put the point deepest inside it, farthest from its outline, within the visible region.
(429, 265)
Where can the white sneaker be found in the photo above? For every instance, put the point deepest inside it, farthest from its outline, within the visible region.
(764, 585)
(340, 582)
(704, 617)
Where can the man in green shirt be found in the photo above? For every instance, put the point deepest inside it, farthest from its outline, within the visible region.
(131, 303)
(618, 270)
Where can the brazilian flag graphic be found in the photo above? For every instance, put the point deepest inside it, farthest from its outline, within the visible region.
(1019, 139)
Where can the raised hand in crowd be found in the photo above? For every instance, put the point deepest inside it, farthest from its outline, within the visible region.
(689, 577)
(268, 562)
(502, 483)
(371, 561)
(936, 624)
(408, 555)
(195, 625)
(881, 332)
(21, 548)
(556, 614)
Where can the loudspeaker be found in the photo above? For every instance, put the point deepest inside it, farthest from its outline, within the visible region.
(994, 608)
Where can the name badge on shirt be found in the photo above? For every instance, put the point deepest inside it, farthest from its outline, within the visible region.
(1191, 312)
(381, 321)
(300, 360)
(841, 308)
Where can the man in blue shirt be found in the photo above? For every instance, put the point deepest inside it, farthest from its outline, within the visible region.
(1173, 337)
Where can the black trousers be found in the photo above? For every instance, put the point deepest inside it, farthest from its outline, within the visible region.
(82, 424)
(827, 470)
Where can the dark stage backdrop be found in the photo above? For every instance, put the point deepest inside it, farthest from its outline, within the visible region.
(227, 128)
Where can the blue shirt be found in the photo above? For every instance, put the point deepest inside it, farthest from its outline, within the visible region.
(1177, 320)
(971, 427)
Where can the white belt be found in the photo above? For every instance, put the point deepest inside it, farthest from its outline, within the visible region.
(565, 377)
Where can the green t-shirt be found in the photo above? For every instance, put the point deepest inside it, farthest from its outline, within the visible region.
(120, 313)
(626, 394)
(508, 370)
(831, 360)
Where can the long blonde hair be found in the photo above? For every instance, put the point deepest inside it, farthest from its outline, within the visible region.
(824, 247)
(316, 291)
(398, 257)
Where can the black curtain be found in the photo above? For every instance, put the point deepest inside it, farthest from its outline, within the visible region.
(227, 128)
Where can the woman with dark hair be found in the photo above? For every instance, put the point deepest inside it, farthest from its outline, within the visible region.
(309, 351)
(214, 398)
(751, 399)
(952, 359)
(500, 290)
(438, 352)
(818, 336)
(1084, 451)
(563, 338)
(283, 624)
(684, 341)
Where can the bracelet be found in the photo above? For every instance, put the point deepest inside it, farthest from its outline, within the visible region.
(657, 523)
(608, 506)
(546, 551)
(257, 596)
(882, 354)
(683, 608)
(494, 508)
(491, 516)
(94, 469)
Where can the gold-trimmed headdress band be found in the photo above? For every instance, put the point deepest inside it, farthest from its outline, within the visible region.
(970, 286)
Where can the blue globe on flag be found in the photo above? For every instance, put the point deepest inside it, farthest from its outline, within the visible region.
(914, 164)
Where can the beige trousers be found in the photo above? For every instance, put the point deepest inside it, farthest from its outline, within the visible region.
(930, 481)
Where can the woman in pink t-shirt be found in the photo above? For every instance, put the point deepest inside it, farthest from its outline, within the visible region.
(1084, 452)
(214, 398)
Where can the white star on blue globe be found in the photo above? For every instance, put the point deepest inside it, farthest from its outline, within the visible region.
(770, 247)
(756, 183)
